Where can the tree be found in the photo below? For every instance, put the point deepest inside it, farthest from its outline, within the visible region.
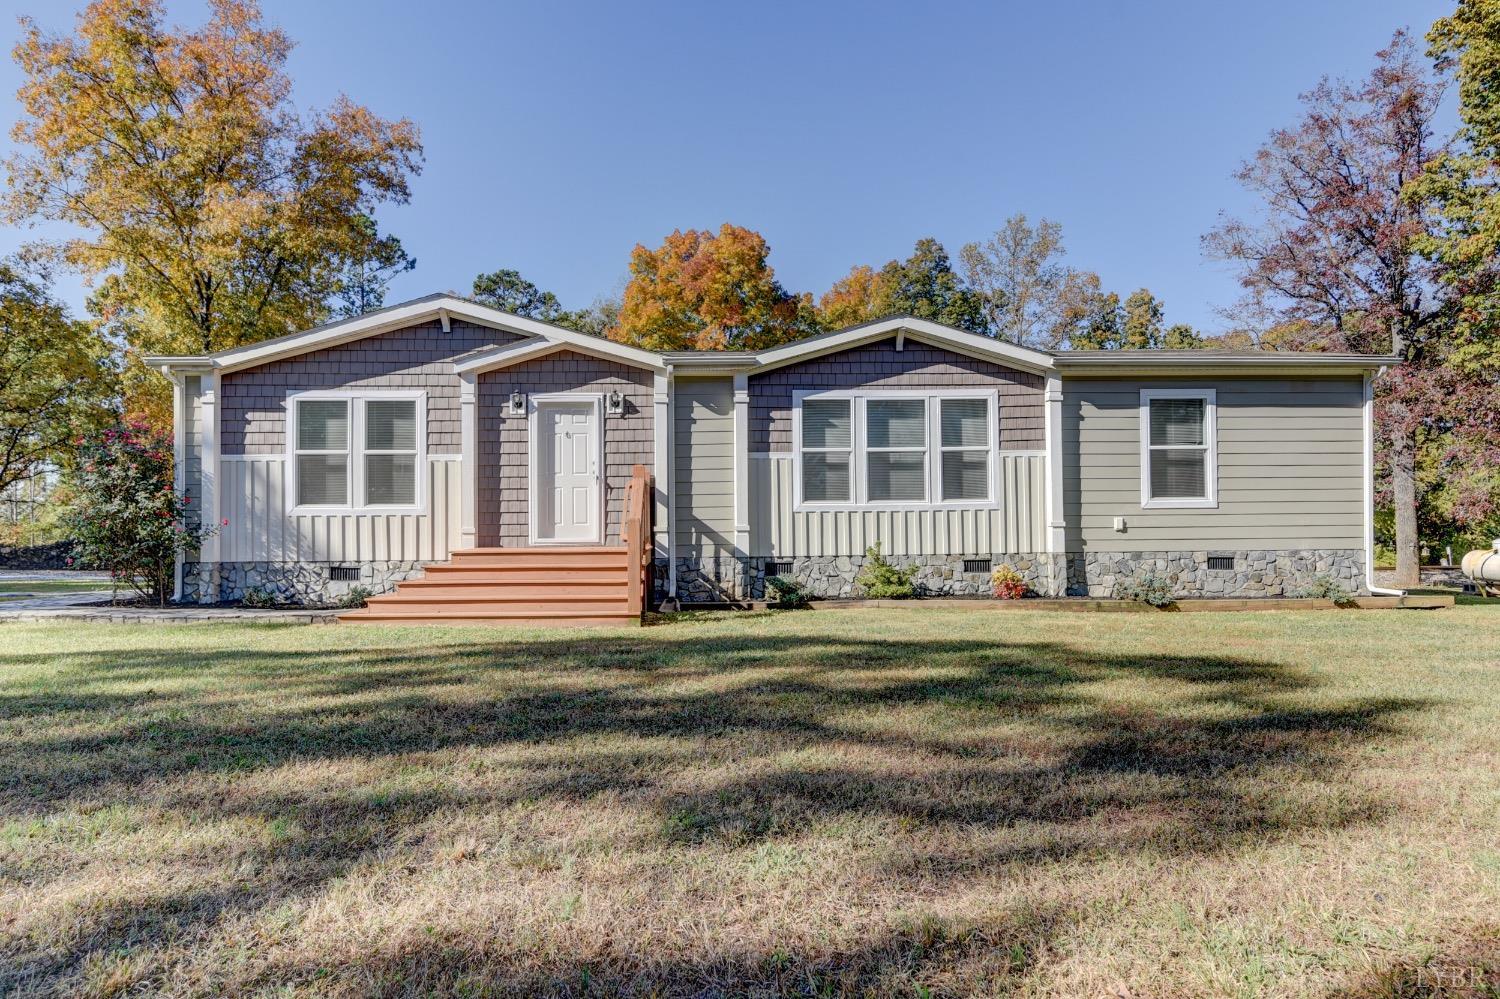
(56, 378)
(710, 291)
(1463, 185)
(1019, 273)
(1088, 317)
(925, 285)
(1336, 248)
(857, 297)
(1181, 336)
(362, 285)
(508, 291)
(214, 214)
(1141, 326)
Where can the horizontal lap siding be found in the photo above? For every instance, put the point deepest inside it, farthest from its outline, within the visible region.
(1291, 467)
(703, 442)
(881, 365)
(416, 357)
(261, 530)
(1017, 527)
(503, 458)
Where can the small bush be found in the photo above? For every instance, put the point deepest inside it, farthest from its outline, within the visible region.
(879, 580)
(1147, 588)
(789, 593)
(357, 596)
(1328, 588)
(1008, 584)
(259, 599)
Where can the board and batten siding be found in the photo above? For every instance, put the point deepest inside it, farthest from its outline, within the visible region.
(1018, 526)
(1290, 467)
(261, 530)
(703, 476)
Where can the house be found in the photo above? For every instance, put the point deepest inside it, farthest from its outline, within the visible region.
(441, 432)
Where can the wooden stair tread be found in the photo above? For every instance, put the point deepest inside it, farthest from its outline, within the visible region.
(542, 550)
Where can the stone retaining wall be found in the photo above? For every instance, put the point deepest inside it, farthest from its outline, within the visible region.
(52, 556)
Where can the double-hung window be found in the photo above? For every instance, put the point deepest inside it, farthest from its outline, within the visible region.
(895, 449)
(1179, 452)
(356, 451)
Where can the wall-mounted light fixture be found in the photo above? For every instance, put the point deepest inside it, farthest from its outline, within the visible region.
(518, 403)
(614, 403)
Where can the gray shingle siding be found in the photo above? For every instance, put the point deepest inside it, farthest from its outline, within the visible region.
(918, 366)
(416, 357)
(503, 462)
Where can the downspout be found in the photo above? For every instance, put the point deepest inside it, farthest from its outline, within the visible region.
(179, 457)
(1369, 451)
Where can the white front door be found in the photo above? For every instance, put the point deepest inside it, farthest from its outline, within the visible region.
(567, 471)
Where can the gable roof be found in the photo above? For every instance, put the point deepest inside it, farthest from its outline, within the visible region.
(442, 307)
(543, 338)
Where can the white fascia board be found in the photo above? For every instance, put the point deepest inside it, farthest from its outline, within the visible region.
(503, 357)
(919, 329)
(443, 308)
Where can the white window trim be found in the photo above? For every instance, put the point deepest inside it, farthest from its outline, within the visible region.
(1210, 447)
(356, 452)
(859, 501)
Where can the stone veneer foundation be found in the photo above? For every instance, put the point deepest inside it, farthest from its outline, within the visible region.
(305, 583)
(1255, 574)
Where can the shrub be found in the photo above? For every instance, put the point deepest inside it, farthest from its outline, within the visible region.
(882, 581)
(356, 596)
(1008, 584)
(789, 593)
(127, 518)
(258, 598)
(1147, 588)
(1328, 588)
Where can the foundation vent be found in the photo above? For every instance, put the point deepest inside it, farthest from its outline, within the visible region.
(778, 568)
(978, 565)
(1221, 562)
(343, 573)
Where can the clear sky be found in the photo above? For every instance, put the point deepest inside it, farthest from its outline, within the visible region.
(558, 135)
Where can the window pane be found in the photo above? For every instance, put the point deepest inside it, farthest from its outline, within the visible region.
(390, 478)
(897, 476)
(966, 475)
(322, 479)
(1177, 421)
(322, 425)
(966, 422)
(391, 424)
(896, 423)
(1178, 474)
(825, 423)
(825, 476)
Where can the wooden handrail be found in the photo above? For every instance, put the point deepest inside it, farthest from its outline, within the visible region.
(635, 532)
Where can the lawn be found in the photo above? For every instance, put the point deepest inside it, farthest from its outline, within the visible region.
(912, 802)
(53, 586)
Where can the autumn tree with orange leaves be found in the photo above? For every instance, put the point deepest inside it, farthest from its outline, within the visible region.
(702, 290)
(211, 213)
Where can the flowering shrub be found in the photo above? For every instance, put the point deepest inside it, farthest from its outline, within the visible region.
(1008, 584)
(127, 518)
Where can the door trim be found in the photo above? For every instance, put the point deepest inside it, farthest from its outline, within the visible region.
(533, 406)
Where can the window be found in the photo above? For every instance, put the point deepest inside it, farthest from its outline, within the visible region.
(827, 450)
(356, 452)
(1178, 452)
(894, 449)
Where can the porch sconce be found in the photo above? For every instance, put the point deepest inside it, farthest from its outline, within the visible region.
(614, 403)
(518, 404)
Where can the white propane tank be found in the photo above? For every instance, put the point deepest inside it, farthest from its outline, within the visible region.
(1484, 567)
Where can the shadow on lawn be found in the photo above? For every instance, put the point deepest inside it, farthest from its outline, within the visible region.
(996, 736)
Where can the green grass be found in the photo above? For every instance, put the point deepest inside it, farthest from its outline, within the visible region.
(53, 586)
(912, 801)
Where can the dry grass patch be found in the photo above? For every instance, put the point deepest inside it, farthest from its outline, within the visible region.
(882, 802)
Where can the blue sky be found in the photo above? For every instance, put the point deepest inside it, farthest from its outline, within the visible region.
(560, 135)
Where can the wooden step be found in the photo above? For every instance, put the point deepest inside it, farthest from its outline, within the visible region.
(591, 557)
(415, 603)
(549, 589)
(527, 573)
(516, 618)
